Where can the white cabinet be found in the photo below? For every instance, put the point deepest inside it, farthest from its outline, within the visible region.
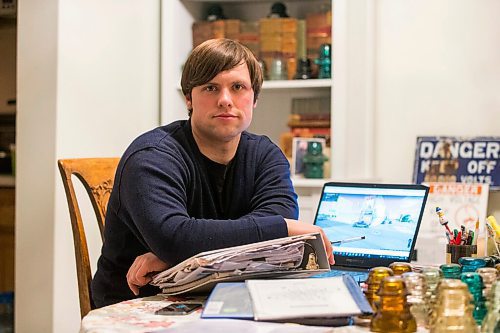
(349, 90)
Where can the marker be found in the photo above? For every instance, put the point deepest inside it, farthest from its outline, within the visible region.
(347, 240)
(493, 222)
(463, 240)
(469, 238)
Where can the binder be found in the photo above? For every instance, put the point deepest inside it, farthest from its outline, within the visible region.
(268, 259)
(240, 300)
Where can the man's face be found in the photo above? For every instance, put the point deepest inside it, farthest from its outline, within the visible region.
(222, 108)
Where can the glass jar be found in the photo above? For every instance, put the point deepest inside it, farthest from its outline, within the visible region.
(489, 275)
(475, 283)
(432, 277)
(375, 277)
(491, 323)
(451, 271)
(400, 267)
(417, 297)
(471, 264)
(393, 313)
(453, 310)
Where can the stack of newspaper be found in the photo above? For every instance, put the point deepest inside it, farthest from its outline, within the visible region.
(276, 257)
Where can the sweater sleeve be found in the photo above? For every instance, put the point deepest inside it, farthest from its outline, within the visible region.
(274, 192)
(153, 202)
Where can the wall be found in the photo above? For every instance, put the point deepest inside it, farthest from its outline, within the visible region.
(88, 83)
(437, 69)
(437, 65)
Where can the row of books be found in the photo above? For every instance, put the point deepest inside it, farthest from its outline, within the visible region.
(271, 38)
(309, 118)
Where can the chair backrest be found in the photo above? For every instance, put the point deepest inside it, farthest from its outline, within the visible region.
(97, 176)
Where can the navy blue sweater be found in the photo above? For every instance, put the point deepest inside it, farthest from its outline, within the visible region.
(162, 202)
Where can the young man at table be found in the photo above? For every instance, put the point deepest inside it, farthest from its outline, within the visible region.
(198, 184)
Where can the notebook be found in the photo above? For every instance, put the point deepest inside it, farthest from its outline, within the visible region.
(376, 224)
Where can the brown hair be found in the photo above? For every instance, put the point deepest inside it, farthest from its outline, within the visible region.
(214, 56)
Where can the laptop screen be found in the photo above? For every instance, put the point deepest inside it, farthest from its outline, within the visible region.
(376, 223)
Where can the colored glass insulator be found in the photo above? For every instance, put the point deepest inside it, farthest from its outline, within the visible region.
(453, 312)
(489, 275)
(491, 322)
(400, 267)
(451, 271)
(375, 277)
(470, 264)
(314, 160)
(475, 283)
(393, 313)
(444, 284)
(324, 61)
(417, 297)
(432, 276)
(489, 261)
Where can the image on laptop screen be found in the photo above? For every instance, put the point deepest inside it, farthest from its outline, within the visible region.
(380, 221)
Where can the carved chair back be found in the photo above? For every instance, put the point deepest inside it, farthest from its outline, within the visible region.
(97, 177)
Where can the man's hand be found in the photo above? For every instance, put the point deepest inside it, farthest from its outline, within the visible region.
(299, 228)
(139, 274)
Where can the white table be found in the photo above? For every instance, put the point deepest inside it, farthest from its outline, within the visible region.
(138, 316)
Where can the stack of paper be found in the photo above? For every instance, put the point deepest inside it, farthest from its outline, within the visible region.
(284, 255)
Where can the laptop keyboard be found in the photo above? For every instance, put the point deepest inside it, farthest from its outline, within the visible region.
(358, 276)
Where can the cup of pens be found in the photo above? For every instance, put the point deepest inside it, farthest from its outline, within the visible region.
(455, 252)
(461, 242)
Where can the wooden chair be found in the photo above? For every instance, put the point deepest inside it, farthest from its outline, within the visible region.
(97, 176)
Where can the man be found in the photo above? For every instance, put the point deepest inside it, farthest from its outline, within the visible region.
(198, 184)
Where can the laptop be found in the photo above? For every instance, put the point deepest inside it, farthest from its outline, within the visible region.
(370, 224)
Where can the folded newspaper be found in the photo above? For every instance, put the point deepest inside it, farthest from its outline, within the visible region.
(295, 256)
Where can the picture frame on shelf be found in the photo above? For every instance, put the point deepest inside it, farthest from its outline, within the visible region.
(299, 150)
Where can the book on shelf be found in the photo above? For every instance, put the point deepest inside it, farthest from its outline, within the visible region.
(205, 30)
(250, 37)
(312, 132)
(302, 255)
(318, 32)
(297, 121)
(278, 40)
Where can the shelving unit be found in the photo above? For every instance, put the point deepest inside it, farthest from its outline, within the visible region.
(297, 84)
(349, 90)
(274, 104)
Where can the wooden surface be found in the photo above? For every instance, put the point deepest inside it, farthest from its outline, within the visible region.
(7, 245)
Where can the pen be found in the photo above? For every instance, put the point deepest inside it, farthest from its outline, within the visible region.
(443, 221)
(469, 238)
(347, 240)
(476, 233)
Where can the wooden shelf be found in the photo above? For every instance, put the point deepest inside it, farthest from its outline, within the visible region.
(318, 183)
(309, 182)
(297, 84)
